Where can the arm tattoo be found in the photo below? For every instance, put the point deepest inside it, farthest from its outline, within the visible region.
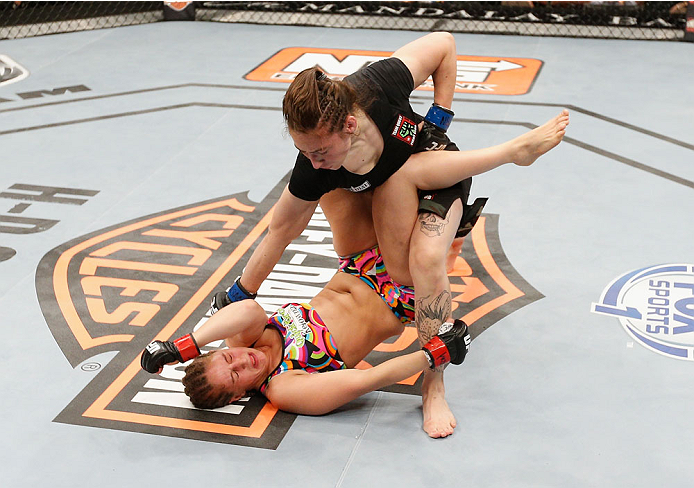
(431, 224)
(431, 313)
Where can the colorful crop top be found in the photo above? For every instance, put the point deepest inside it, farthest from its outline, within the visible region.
(308, 344)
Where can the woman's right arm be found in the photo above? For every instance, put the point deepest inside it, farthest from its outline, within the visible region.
(239, 323)
(290, 217)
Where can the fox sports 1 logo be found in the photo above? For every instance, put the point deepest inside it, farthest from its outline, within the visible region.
(655, 305)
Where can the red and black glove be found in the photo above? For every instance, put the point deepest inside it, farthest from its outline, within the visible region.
(158, 353)
(450, 345)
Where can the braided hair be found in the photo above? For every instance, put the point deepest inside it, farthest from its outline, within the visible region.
(201, 393)
(315, 101)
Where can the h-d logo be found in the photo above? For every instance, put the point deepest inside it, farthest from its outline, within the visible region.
(117, 289)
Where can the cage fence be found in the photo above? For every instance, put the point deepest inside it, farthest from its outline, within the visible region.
(609, 20)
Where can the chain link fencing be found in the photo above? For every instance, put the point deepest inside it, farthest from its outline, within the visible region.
(612, 20)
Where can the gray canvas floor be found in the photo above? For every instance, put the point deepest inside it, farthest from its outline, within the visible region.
(551, 395)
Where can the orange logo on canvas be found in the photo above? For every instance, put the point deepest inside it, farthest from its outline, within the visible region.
(475, 74)
(108, 294)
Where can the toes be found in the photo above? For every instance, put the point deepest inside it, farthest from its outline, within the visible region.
(433, 433)
(440, 432)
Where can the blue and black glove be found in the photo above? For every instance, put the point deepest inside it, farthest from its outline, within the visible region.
(235, 293)
(432, 136)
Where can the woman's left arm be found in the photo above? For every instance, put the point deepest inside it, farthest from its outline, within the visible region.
(320, 393)
(432, 55)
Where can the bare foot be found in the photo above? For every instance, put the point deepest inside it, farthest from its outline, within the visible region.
(538, 141)
(438, 419)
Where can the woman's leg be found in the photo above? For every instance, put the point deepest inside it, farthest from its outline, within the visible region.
(349, 215)
(420, 257)
(415, 247)
(441, 169)
(431, 240)
(395, 205)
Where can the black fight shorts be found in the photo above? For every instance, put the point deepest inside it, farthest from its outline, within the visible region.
(439, 202)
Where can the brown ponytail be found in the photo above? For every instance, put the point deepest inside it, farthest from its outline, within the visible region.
(315, 101)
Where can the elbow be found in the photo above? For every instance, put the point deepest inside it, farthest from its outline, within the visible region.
(283, 230)
(446, 45)
(446, 39)
(315, 408)
(282, 235)
(253, 310)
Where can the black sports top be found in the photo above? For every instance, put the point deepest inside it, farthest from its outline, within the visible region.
(390, 83)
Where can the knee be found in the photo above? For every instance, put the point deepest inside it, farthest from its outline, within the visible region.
(446, 39)
(429, 258)
(431, 243)
(398, 329)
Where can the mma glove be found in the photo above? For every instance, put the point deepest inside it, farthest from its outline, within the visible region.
(450, 345)
(235, 293)
(158, 353)
(432, 136)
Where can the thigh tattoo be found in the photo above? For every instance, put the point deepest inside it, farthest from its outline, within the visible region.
(431, 224)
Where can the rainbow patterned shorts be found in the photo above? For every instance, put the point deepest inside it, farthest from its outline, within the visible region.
(369, 267)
